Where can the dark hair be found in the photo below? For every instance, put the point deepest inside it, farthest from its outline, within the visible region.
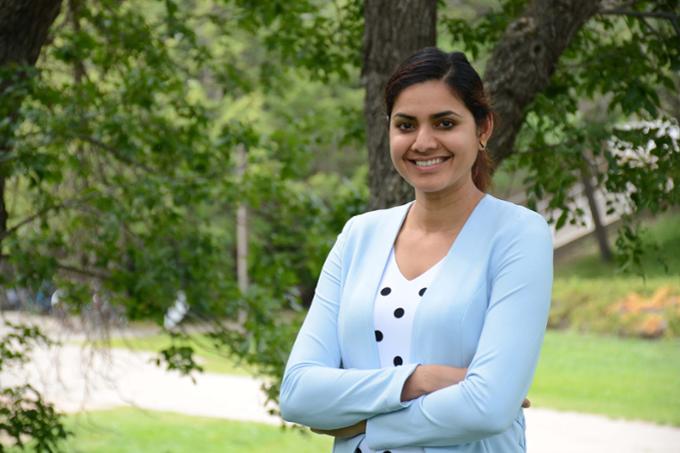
(455, 70)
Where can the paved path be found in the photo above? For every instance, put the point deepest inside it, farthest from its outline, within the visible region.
(75, 379)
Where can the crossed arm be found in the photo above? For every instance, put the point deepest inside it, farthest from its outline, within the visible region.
(426, 405)
(425, 379)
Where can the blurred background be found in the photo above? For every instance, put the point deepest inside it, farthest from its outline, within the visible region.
(173, 174)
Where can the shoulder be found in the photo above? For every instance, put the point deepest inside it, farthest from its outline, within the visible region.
(518, 233)
(511, 219)
(374, 220)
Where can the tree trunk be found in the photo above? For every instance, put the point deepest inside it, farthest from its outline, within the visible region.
(23, 31)
(393, 31)
(600, 231)
(525, 58)
(241, 227)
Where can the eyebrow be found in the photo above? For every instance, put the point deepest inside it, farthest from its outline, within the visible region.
(435, 116)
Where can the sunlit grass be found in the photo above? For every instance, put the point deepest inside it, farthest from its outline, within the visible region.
(137, 431)
(619, 377)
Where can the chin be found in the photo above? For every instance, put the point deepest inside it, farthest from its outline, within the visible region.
(432, 190)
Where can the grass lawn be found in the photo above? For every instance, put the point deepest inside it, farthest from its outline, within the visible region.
(628, 378)
(619, 377)
(137, 431)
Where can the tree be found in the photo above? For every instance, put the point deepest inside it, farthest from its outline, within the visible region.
(546, 59)
(393, 31)
(24, 25)
(120, 171)
(118, 166)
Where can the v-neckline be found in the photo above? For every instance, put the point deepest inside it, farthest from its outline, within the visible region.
(376, 251)
(393, 257)
(451, 247)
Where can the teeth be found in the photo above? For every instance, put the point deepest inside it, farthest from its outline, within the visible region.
(428, 163)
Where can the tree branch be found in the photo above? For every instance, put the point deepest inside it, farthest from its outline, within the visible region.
(113, 151)
(673, 18)
(37, 215)
(85, 272)
(524, 60)
(627, 12)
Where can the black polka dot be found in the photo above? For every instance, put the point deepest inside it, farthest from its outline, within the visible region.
(385, 291)
(397, 361)
(399, 312)
(387, 451)
(357, 450)
(422, 291)
(378, 335)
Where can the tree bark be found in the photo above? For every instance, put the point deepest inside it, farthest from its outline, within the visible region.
(600, 230)
(393, 31)
(23, 31)
(525, 58)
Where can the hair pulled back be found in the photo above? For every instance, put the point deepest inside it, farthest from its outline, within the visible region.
(455, 70)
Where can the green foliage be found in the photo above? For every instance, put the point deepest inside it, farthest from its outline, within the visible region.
(23, 412)
(592, 305)
(123, 179)
(661, 240)
(319, 36)
(600, 113)
(123, 175)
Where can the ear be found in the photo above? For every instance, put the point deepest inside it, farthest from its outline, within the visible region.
(485, 129)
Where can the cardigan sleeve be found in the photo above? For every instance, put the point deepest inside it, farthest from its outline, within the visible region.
(487, 401)
(315, 391)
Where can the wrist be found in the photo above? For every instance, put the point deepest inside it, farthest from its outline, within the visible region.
(413, 387)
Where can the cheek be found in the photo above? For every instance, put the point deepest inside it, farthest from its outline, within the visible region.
(399, 144)
(463, 142)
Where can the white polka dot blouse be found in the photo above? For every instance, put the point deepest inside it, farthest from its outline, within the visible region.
(393, 312)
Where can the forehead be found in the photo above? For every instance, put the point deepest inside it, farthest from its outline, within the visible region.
(428, 97)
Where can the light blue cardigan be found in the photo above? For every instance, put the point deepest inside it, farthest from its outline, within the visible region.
(486, 310)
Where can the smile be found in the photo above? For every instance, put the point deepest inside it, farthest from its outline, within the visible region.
(430, 162)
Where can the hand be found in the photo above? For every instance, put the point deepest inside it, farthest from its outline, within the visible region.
(349, 431)
(430, 378)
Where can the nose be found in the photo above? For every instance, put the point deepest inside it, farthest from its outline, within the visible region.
(425, 140)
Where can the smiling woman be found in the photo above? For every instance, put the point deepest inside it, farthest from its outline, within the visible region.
(434, 138)
(428, 318)
(456, 85)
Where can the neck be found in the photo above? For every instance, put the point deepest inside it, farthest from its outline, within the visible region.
(441, 212)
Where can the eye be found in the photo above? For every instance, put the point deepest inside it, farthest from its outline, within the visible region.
(445, 124)
(404, 126)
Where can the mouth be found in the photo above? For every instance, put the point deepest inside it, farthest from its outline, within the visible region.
(429, 164)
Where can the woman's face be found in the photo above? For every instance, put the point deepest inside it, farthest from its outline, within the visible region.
(433, 138)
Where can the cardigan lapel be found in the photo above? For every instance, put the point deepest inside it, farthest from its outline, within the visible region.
(372, 251)
(454, 273)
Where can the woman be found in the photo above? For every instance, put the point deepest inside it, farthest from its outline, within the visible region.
(428, 318)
